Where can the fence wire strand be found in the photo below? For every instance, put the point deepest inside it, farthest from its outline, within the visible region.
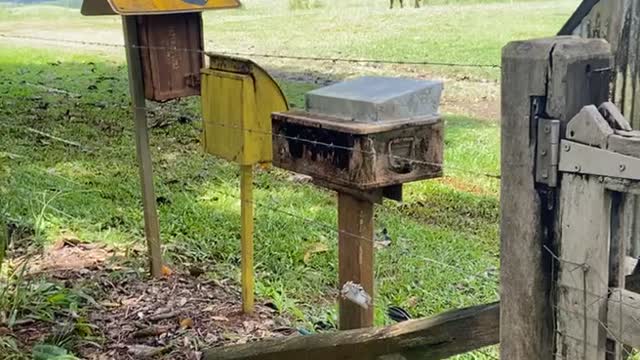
(586, 306)
(254, 54)
(279, 207)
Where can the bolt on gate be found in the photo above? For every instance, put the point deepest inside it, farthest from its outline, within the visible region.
(571, 165)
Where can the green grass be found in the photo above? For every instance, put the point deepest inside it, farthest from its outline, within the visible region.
(464, 32)
(95, 195)
(444, 252)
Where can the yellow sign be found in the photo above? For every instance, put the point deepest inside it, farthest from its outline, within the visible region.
(141, 7)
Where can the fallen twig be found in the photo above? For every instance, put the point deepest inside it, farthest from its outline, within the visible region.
(144, 351)
(42, 133)
(150, 331)
(162, 316)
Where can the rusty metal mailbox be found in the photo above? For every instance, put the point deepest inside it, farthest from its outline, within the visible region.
(363, 138)
(368, 133)
(167, 39)
(172, 54)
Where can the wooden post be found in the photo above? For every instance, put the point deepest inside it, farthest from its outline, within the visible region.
(151, 225)
(355, 224)
(550, 78)
(583, 267)
(246, 213)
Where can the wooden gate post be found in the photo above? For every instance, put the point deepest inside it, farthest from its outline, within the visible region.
(547, 78)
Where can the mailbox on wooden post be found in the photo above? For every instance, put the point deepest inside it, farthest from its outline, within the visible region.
(363, 138)
(238, 98)
(164, 46)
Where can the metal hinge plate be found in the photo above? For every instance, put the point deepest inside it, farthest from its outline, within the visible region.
(584, 159)
(547, 151)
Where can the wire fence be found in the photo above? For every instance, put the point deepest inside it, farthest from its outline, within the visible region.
(582, 311)
(273, 205)
(256, 54)
(587, 311)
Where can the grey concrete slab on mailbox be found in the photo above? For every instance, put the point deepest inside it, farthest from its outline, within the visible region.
(374, 98)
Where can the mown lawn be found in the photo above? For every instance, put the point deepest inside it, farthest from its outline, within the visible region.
(444, 249)
(464, 32)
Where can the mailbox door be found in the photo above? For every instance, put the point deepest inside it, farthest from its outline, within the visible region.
(232, 128)
(171, 47)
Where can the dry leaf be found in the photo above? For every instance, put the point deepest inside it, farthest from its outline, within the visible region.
(314, 249)
(382, 244)
(166, 271)
(109, 304)
(412, 302)
(186, 323)
(65, 240)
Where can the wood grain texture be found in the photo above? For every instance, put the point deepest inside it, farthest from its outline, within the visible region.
(554, 73)
(439, 337)
(151, 224)
(618, 21)
(355, 253)
(582, 284)
(622, 207)
(525, 316)
(624, 317)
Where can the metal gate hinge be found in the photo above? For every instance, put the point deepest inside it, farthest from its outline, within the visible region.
(547, 151)
(584, 159)
(594, 137)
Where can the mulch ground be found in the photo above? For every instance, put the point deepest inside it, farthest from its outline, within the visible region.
(133, 316)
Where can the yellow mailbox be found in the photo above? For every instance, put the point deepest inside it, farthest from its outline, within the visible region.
(238, 97)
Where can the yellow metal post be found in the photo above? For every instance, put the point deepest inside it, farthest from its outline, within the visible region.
(238, 98)
(246, 213)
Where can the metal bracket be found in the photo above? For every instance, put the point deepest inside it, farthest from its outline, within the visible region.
(547, 151)
(584, 159)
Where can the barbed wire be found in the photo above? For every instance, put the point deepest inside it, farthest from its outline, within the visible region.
(411, 161)
(255, 54)
(599, 298)
(351, 149)
(279, 207)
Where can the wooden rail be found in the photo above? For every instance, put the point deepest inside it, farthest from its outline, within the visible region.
(623, 317)
(439, 337)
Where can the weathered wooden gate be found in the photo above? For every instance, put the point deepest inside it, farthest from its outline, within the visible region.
(617, 21)
(571, 167)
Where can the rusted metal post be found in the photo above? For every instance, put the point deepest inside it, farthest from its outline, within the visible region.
(355, 252)
(136, 85)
